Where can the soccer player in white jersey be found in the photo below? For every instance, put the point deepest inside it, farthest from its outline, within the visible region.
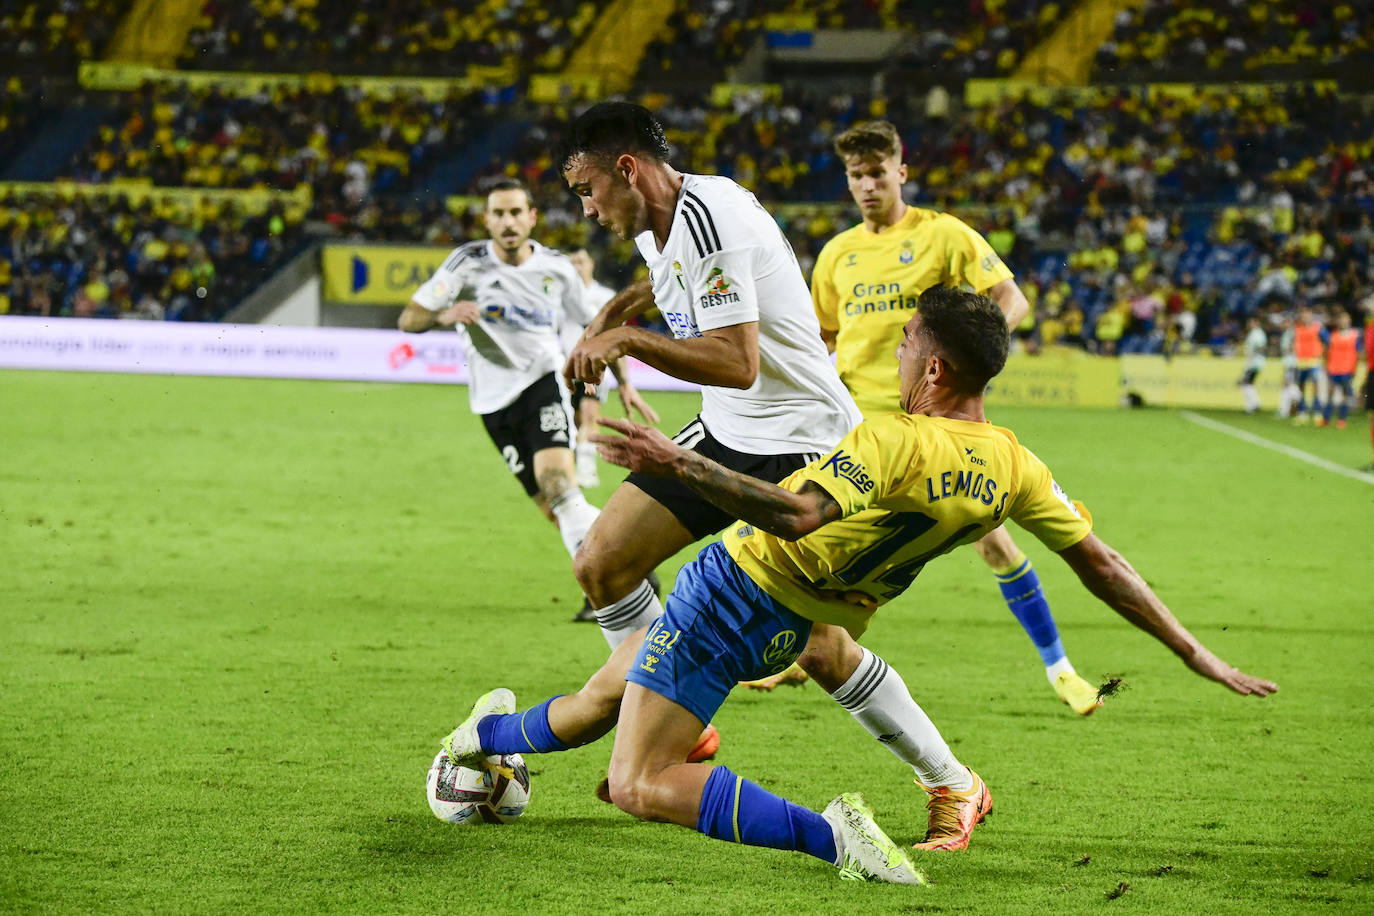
(725, 279)
(522, 294)
(587, 404)
(728, 286)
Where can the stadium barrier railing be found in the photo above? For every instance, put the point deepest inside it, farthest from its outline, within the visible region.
(1058, 377)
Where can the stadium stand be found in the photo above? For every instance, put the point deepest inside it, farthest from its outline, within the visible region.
(52, 37)
(1234, 40)
(411, 37)
(704, 39)
(114, 255)
(1138, 218)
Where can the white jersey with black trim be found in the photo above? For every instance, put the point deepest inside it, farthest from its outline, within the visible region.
(594, 297)
(515, 341)
(726, 262)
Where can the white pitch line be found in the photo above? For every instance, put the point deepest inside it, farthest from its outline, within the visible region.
(1279, 447)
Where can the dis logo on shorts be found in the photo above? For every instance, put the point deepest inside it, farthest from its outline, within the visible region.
(782, 650)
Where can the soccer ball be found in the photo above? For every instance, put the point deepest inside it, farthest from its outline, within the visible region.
(495, 794)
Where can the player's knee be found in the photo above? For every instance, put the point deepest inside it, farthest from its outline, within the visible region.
(604, 578)
(632, 794)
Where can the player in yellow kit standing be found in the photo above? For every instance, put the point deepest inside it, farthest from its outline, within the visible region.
(835, 541)
(864, 287)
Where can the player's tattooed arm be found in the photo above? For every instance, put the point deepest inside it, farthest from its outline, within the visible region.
(764, 505)
(1112, 579)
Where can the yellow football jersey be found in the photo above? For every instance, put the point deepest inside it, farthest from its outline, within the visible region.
(865, 285)
(911, 488)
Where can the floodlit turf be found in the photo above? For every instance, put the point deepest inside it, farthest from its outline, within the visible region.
(236, 617)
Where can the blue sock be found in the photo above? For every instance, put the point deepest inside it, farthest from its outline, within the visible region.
(1026, 599)
(520, 732)
(738, 811)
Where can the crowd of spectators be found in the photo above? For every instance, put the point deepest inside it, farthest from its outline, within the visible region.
(21, 105)
(1097, 201)
(54, 35)
(347, 145)
(413, 37)
(703, 39)
(1235, 39)
(96, 255)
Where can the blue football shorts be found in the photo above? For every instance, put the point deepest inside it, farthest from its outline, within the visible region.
(719, 628)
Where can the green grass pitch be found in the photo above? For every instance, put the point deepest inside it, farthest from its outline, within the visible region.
(236, 616)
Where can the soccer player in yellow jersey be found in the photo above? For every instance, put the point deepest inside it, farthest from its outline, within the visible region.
(864, 287)
(837, 540)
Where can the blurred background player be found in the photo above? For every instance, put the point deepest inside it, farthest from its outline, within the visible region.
(830, 548)
(1342, 359)
(1289, 394)
(1254, 347)
(522, 294)
(587, 405)
(1368, 309)
(864, 286)
(1309, 350)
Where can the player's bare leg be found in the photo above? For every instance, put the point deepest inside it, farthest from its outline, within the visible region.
(588, 409)
(561, 498)
(649, 781)
(582, 717)
(1025, 598)
(647, 774)
(633, 535)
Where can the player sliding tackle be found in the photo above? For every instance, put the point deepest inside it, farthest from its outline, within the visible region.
(838, 539)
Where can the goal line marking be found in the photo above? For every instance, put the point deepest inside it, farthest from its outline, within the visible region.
(1279, 447)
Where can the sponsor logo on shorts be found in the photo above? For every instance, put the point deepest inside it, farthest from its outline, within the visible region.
(782, 650)
(846, 468)
(552, 418)
(657, 644)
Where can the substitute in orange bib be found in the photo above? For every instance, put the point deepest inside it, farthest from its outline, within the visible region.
(1342, 358)
(1309, 350)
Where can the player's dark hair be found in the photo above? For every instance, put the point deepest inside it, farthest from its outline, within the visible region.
(510, 184)
(869, 139)
(609, 130)
(969, 330)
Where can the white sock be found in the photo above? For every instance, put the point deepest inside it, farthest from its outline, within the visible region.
(1252, 398)
(575, 516)
(877, 697)
(1053, 671)
(621, 618)
(1287, 398)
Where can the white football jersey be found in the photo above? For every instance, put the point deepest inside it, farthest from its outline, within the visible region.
(594, 297)
(726, 262)
(515, 341)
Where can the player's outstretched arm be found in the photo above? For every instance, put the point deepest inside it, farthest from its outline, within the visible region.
(1108, 576)
(764, 505)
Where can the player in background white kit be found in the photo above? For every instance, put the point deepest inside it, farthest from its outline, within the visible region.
(523, 293)
(587, 406)
(1254, 346)
(726, 281)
